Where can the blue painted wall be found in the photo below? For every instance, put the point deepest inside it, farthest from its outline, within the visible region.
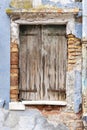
(84, 19)
(77, 92)
(4, 52)
(68, 4)
(5, 45)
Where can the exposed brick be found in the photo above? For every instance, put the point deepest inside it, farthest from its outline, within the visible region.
(14, 66)
(79, 123)
(14, 91)
(14, 47)
(70, 119)
(14, 44)
(14, 96)
(13, 71)
(14, 61)
(14, 54)
(13, 87)
(74, 50)
(70, 36)
(14, 58)
(14, 80)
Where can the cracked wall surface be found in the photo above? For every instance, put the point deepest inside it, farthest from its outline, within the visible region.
(28, 12)
(4, 53)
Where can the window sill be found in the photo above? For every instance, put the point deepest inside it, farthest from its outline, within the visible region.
(58, 103)
(20, 106)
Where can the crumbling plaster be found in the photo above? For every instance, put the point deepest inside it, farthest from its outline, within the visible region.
(68, 4)
(67, 20)
(4, 53)
(63, 4)
(73, 77)
(70, 76)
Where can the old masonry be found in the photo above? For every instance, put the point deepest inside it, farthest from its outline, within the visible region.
(48, 63)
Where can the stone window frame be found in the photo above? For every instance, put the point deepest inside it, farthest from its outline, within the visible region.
(32, 18)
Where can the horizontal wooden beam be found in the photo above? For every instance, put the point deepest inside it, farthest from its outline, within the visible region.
(30, 91)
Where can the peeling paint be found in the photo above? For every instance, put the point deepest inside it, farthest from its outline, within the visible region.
(4, 53)
(63, 3)
(77, 92)
(78, 30)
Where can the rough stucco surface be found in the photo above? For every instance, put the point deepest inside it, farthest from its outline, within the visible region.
(64, 4)
(74, 53)
(6, 46)
(4, 51)
(70, 75)
(68, 4)
(26, 120)
(73, 89)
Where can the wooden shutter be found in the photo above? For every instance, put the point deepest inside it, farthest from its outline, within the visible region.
(54, 50)
(43, 62)
(30, 48)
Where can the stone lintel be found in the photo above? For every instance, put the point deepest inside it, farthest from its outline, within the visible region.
(48, 10)
(40, 14)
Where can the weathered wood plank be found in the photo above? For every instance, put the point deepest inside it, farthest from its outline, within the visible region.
(43, 62)
(22, 65)
(33, 54)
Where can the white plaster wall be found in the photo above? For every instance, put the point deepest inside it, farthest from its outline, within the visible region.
(14, 32)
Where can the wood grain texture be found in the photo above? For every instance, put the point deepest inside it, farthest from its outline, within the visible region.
(43, 56)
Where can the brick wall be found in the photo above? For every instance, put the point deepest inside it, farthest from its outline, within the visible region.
(68, 117)
(14, 72)
(58, 114)
(74, 51)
